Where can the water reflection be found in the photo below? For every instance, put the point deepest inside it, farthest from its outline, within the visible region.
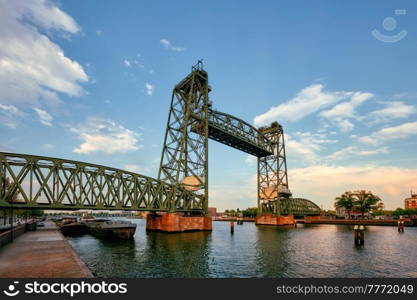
(272, 250)
(176, 255)
(254, 251)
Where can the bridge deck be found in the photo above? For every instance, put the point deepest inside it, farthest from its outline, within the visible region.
(223, 136)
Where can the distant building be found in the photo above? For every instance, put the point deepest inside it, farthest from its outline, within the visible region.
(341, 212)
(212, 211)
(411, 203)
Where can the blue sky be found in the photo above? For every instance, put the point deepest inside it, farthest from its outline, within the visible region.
(92, 81)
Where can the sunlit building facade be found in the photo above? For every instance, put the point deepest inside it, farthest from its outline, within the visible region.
(411, 203)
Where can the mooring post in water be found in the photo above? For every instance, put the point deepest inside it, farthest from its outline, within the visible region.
(400, 225)
(232, 227)
(359, 234)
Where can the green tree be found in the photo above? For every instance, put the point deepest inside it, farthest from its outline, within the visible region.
(250, 212)
(365, 201)
(346, 200)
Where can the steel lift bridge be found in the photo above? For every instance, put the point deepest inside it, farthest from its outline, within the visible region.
(28, 181)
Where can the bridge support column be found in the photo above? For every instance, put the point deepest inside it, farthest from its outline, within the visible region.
(270, 219)
(176, 222)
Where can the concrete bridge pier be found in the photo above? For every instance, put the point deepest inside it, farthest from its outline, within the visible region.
(270, 219)
(177, 222)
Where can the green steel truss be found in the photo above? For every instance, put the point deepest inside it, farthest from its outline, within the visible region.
(238, 134)
(28, 181)
(184, 160)
(272, 172)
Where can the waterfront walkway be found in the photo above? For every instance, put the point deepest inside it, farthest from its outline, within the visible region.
(41, 254)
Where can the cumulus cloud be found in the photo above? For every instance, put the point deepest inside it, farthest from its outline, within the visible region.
(149, 89)
(104, 135)
(340, 113)
(353, 151)
(309, 100)
(9, 115)
(393, 110)
(313, 99)
(34, 69)
(304, 146)
(322, 183)
(44, 117)
(167, 45)
(390, 133)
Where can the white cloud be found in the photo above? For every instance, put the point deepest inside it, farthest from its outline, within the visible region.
(390, 133)
(347, 109)
(9, 115)
(309, 100)
(304, 146)
(104, 135)
(340, 113)
(322, 183)
(344, 125)
(149, 88)
(251, 160)
(127, 63)
(32, 67)
(352, 151)
(44, 117)
(136, 168)
(393, 110)
(167, 45)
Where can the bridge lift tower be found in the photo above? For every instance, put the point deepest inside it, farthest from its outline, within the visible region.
(184, 160)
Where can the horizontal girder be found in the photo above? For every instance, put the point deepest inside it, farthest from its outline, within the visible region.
(28, 181)
(238, 134)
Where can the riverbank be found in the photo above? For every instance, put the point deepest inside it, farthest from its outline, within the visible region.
(43, 253)
(360, 222)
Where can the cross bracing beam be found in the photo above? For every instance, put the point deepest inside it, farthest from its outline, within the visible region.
(28, 181)
(238, 134)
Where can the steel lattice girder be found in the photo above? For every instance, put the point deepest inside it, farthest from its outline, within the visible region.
(55, 183)
(272, 169)
(291, 206)
(238, 134)
(185, 150)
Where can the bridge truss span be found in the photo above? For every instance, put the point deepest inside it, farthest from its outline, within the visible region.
(28, 181)
(238, 134)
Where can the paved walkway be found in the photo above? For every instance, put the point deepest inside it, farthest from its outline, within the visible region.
(41, 254)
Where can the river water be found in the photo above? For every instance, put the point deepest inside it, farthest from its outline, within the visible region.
(253, 251)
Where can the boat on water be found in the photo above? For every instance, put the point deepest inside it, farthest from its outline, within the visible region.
(74, 228)
(104, 228)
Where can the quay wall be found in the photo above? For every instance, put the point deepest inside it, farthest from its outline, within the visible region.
(6, 237)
